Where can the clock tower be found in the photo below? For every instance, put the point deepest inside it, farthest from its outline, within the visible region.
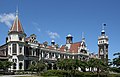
(103, 45)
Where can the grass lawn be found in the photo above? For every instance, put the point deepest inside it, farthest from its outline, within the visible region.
(36, 76)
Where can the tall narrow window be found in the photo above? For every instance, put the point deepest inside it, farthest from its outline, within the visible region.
(20, 65)
(20, 50)
(10, 50)
(14, 49)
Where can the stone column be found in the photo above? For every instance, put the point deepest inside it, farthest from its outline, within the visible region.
(48, 55)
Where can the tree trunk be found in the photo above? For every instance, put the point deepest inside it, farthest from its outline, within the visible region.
(98, 72)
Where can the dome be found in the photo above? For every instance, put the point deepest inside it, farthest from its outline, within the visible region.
(103, 30)
(69, 35)
(52, 41)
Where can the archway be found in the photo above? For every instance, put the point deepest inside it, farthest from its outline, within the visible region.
(14, 65)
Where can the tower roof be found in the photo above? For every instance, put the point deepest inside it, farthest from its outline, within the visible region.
(69, 35)
(16, 26)
(52, 41)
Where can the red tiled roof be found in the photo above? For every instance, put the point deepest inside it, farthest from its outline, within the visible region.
(74, 47)
(27, 39)
(62, 48)
(16, 27)
(50, 47)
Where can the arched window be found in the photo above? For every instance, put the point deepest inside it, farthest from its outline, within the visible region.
(20, 65)
(33, 63)
(14, 65)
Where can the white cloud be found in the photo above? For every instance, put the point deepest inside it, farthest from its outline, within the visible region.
(38, 29)
(53, 35)
(7, 19)
(36, 26)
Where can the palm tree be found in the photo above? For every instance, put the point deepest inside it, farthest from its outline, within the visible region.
(116, 61)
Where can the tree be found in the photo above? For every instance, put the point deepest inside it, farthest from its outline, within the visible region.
(61, 64)
(32, 68)
(90, 64)
(83, 65)
(116, 62)
(100, 65)
(37, 67)
(40, 66)
(5, 65)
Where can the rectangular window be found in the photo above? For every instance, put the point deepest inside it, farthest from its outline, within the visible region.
(34, 53)
(10, 50)
(20, 50)
(14, 48)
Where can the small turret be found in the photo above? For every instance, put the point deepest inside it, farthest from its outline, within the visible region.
(69, 39)
(52, 42)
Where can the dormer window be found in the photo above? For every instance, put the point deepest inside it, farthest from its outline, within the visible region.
(20, 38)
(32, 37)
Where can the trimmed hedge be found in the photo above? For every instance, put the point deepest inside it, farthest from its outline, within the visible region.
(74, 73)
(59, 73)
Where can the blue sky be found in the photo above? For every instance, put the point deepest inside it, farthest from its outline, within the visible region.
(55, 19)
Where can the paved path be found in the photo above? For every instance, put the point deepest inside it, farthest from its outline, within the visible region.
(13, 75)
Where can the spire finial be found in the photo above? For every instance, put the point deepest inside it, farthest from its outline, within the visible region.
(83, 38)
(103, 29)
(17, 11)
(82, 35)
(103, 26)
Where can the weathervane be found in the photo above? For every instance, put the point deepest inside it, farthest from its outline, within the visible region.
(83, 38)
(103, 26)
(82, 35)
